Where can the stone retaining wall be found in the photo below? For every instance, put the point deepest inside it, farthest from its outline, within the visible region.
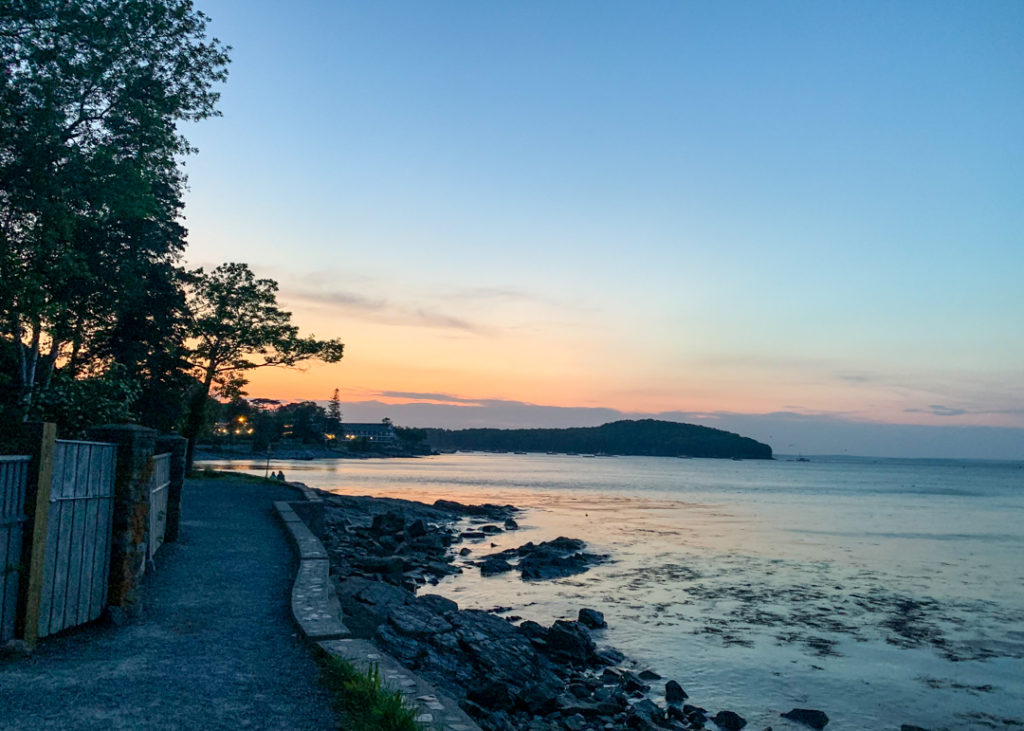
(317, 613)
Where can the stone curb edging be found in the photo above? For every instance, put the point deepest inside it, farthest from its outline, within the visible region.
(317, 613)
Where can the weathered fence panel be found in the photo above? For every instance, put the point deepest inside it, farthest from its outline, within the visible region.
(76, 564)
(159, 488)
(13, 478)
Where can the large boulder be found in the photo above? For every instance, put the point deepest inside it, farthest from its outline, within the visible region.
(570, 642)
(729, 720)
(808, 717)
(674, 692)
(592, 619)
(491, 566)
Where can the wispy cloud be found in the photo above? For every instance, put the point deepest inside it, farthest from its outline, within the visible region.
(384, 311)
(418, 396)
(938, 410)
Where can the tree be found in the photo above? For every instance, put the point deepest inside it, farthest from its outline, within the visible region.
(91, 96)
(333, 422)
(303, 421)
(236, 327)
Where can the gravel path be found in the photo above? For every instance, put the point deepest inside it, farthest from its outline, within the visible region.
(216, 647)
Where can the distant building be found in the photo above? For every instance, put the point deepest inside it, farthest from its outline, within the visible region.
(379, 433)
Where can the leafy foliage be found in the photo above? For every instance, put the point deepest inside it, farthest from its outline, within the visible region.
(75, 404)
(236, 326)
(91, 95)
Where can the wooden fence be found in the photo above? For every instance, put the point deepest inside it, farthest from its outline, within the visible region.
(80, 521)
(77, 562)
(158, 492)
(13, 479)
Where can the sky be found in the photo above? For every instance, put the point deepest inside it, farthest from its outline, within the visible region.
(539, 213)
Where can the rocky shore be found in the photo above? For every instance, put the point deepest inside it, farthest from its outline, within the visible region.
(509, 674)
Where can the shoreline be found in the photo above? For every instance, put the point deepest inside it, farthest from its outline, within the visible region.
(205, 454)
(509, 674)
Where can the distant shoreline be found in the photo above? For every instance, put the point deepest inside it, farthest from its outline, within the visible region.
(204, 453)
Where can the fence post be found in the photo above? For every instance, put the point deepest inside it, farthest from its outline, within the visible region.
(37, 440)
(177, 446)
(131, 513)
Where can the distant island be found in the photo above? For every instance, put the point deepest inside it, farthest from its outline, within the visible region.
(645, 437)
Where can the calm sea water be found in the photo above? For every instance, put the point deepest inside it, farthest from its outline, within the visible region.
(882, 592)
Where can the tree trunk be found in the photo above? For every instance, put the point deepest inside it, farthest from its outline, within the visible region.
(196, 416)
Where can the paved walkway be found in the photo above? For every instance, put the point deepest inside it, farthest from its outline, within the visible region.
(215, 649)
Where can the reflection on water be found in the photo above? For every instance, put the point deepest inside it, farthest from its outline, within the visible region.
(882, 593)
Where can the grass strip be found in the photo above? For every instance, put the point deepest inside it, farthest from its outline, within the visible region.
(362, 702)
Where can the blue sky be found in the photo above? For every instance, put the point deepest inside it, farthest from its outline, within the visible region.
(651, 207)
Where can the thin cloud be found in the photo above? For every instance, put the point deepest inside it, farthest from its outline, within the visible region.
(418, 396)
(938, 410)
(385, 311)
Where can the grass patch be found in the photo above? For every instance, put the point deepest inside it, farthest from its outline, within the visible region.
(360, 700)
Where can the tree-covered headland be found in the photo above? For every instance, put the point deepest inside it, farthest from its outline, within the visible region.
(644, 437)
(99, 320)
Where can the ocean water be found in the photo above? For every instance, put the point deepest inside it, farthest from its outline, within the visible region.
(880, 591)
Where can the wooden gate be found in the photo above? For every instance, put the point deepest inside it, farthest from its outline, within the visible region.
(77, 562)
(159, 489)
(13, 477)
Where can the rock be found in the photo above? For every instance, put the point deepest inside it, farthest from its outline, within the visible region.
(417, 528)
(539, 698)
(511, 524)
(380, 564)
(492, 696)
(560, 544)
(592, 619)
(490, 529)
(911, 727)
(438, 604)
(533, 630)
(465, 551)
(440, 568)
(541, 567)
(645, 714)
(417, 620)
(407, 650)
(649, 675)
(570, 641)
(808, 717)
(496, 650)
(729, 721)
(472, 534)
(609, 656)
(379, 598)
(575, 722)
(487, 510)
(674, 692)
(389, 522)
(492, 566)
(631, 683)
